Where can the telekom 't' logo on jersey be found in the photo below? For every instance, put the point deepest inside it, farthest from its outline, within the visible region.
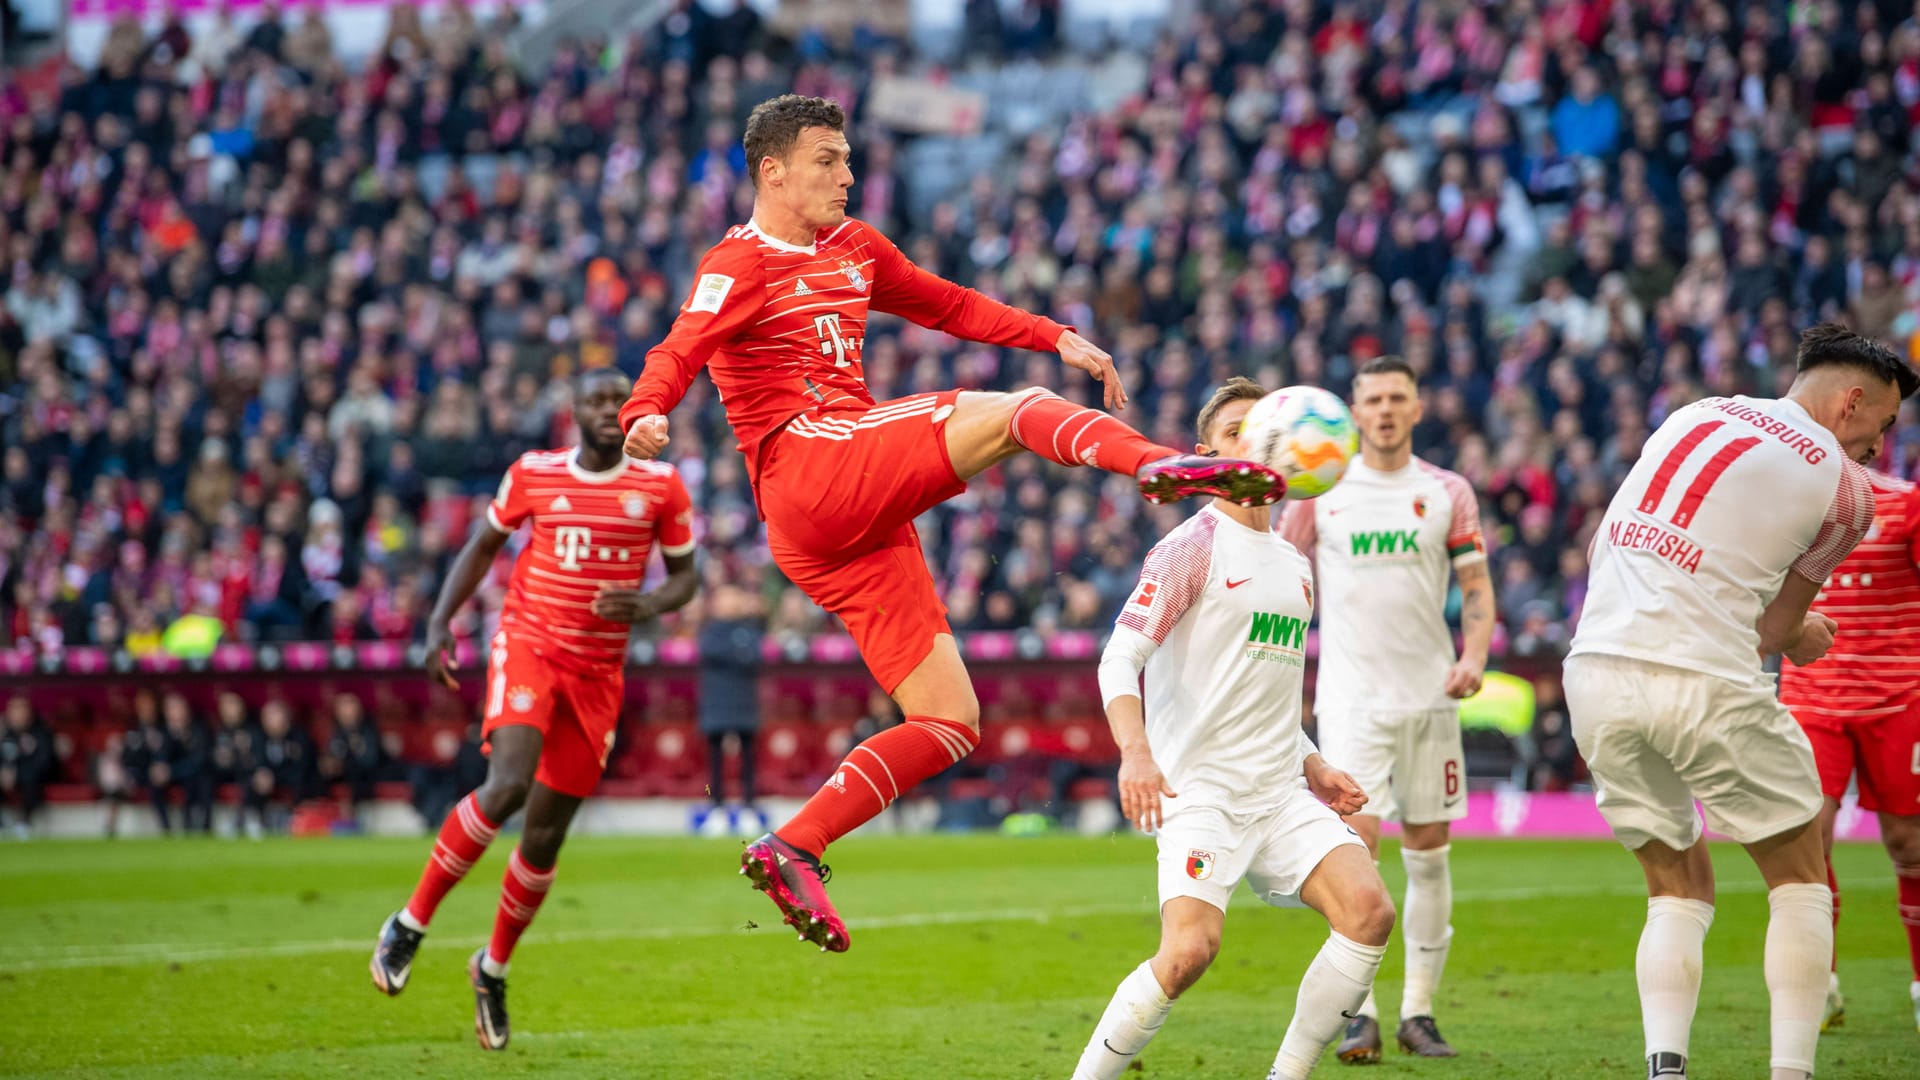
(570, 542)
(834, 341)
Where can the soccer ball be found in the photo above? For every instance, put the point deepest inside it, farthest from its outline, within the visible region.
(1303, 433)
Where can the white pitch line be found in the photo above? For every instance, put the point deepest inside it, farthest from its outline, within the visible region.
(90, 956)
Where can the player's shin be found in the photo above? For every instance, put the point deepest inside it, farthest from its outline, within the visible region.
(1799, 947)
(1070, 434)
(1131, 1021)
(1909, 885)
(1425, 925)
(521, 892)
(463, 838)
(873, 775)
(1339, 978)
(1668, 968)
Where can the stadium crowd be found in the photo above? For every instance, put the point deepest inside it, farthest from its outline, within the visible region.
(273, 325)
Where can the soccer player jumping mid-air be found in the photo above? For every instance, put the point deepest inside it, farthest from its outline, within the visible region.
(1707, 560)
(1860, 705)
(554, 670)
(777, 314)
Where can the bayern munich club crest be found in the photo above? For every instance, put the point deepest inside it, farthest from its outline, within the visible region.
(521, 698)
(1199, 864)
(1419, 506)
(854, 276)
(635, 506)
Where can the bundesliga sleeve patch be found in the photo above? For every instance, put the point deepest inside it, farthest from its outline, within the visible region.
(711, 293)
(1143, 596)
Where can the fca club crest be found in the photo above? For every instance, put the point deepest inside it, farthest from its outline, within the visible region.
(1199, 864)
(1419, 506)
(853, 275)
(1307, 587)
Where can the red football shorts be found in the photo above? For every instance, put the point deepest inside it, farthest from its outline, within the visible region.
(840, 491)
(1884, 752)
(576, 712)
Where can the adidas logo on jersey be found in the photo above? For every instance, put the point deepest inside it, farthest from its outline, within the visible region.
(800, 288)
(561, 505)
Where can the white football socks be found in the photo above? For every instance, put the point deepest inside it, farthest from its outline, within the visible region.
(1330, 993)
(1668, 968)
(1424, 919)
(1131, 1021)
(1799, 949)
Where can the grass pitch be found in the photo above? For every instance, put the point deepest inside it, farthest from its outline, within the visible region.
(973, 957)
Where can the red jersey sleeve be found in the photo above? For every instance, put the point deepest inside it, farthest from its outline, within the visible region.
(728, 294)
(1465, 543)
(1172, 577)
(510, 505)
(674, 530)
(904, 289)
(1847, 520)
(1913, 526)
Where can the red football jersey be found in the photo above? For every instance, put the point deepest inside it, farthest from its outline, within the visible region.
(589, 530)
(1873, 669)
(781, 326)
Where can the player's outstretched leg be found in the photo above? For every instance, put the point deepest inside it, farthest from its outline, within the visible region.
(1070, 434)
(470, 827)
(1189, 940)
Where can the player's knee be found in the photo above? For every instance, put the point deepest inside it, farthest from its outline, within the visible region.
(1185, 959)
(503, 795)
(540, 844)
(1372, 918)
(1903, 847)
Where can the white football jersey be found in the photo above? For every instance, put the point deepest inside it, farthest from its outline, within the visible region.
(1384, 545)
(1727, 496)
(1228, 607)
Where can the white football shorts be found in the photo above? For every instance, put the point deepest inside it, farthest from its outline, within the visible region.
(1206, 851)
(1656, 738)
(1410, 762)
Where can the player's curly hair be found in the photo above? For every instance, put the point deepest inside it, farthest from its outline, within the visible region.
(775, 125)
(1831, 344)
(1238, 388)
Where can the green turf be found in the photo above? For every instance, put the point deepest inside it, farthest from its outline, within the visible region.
(973, 957)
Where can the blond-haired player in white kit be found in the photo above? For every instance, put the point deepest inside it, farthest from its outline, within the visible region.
(1707, 560)
(1385, 543)
(1215, 763)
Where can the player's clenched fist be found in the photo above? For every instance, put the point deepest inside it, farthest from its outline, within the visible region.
(647, 437)
(1334, 786)
(1141, 787)
(1816, 637)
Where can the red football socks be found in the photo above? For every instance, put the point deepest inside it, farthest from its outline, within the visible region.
(521, 892)
(874, 774)
(464, 837)
(1910, 912)
(1070, 434)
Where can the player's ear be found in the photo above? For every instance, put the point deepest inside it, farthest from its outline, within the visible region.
(1204, 450)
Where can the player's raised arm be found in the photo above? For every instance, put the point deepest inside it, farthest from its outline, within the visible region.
(504, 514)
(727, 297)
(903, 288)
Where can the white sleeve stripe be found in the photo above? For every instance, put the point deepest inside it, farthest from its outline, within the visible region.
(493, 520)
(677, 549)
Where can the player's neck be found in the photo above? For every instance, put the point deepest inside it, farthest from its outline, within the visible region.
(1382, 460)
(598, 461)
(782, 225)
(1257, 518)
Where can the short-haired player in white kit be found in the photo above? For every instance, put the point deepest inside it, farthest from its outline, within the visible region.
(1218, 622)
(1384, 544)
(1708, 559)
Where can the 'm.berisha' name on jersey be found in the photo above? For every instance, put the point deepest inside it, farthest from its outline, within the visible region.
(1228, 607)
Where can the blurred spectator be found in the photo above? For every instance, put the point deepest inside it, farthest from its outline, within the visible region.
(354, 755)
(166, 753)
(729, 695)
(458, 765)
(283, 769)
(27, 763)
